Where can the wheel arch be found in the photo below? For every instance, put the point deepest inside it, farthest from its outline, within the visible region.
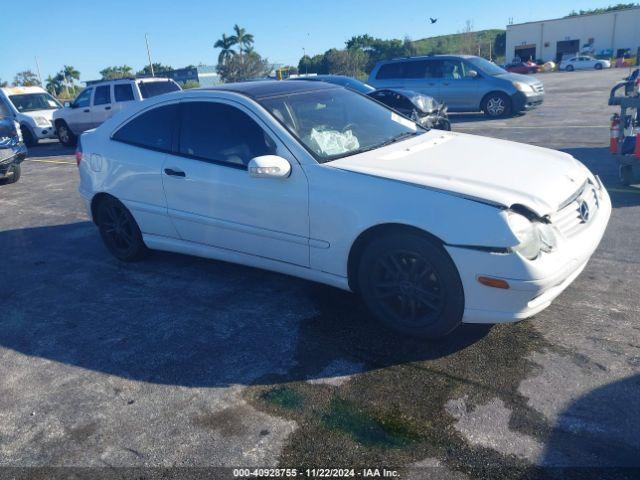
(96, 200)
(375, 231)
(486, 96)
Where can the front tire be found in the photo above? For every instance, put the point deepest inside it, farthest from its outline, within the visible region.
(65, 135)
(598, 66)
(15, 170)
(119, 231)
(569, 68)
(497, 105)
(411, 285)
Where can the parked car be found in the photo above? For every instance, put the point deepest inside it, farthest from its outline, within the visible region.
(100, 101)
(12, 149)
(420, 108)
(430, 228)
(583, 62)
(32, 108)
(464, 83)
(523, 67)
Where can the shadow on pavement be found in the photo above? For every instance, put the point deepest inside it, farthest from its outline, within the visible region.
(46, 149)
(175, 319)
(600, 429)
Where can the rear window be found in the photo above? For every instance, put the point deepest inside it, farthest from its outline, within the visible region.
(153, 89)
(153, 129)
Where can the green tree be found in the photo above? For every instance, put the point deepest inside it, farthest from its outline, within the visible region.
(69, 76)
(111, 73)
(3, 83)
(225, 45)
(610, 8)
(26, 78)
(244, 67)
(350, 62)
(54, 84)
(158, 69)
(242, 39)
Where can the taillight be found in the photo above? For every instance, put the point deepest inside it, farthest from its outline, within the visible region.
(79, 153)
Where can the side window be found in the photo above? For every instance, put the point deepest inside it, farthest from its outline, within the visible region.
(390, 70)
(123, 92)
(84, 98)
(4, 110)
(102, 95)
(152, 129)
(222, 134)
(452, 70)
(415, 69)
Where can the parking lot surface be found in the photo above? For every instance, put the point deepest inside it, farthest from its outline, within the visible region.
(178, 361)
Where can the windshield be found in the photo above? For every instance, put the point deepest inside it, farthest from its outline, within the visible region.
(486, 67)
(335, 123)
(153, 89)
(30, 102)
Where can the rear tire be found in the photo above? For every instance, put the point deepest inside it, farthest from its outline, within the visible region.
(27, 137)
(119, 231)
(16, 170)
(497, 105)
(65, 135)
(411, 285)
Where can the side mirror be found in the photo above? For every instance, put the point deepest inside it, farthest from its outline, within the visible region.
(67, 104)
(269, 166)
(472, 74)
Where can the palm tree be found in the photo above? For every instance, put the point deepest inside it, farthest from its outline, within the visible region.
(53, 84)
(69, 74)
(243, 39)
(225, 44)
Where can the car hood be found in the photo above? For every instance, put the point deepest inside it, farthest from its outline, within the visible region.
(497, 171)
(518, 77)
(48, 114)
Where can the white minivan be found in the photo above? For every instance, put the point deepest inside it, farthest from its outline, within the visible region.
(99, 101)
(32, 108)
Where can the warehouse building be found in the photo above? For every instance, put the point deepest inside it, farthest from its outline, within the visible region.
(611, 34)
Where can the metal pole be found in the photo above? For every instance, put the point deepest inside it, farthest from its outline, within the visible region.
(38, 68)
(146, 38)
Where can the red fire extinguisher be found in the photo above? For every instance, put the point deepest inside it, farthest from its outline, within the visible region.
(614, 133)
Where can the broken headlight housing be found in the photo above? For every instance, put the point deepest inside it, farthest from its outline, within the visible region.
(534, 236)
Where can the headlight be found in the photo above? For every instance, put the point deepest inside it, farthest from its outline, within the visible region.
(42, 122)
(523, 87)
(534, 237)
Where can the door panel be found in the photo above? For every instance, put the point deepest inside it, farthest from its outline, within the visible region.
(79, 117)
(459, 91)
(214, 201)
(101, 107)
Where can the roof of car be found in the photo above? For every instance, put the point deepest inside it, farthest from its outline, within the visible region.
(21, 90)
(272, 88)
(423, 57)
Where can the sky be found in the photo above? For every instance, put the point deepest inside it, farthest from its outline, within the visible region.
(93, 35)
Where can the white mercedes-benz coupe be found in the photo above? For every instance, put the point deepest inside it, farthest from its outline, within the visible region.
(309, 179)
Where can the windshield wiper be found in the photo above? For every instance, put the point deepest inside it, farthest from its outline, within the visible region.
(397, 138)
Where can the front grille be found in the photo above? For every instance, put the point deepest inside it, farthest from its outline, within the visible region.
(538, 87)
(570, 219)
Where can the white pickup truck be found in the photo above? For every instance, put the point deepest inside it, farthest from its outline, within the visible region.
(101, 100)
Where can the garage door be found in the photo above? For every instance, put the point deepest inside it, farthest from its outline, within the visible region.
(526, 52)
(566, 47)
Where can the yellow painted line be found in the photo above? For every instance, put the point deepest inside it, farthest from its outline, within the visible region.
(51, 161)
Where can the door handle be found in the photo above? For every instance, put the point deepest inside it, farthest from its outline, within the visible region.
(86, 110)
(107, 107)
(174, 173)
